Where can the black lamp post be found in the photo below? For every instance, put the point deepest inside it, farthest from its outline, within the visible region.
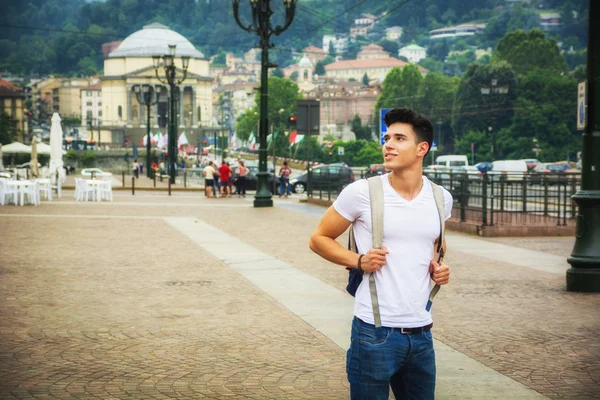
(170, 78)
(261, 24)
(584, 274)
(494, 95)
(148, 97)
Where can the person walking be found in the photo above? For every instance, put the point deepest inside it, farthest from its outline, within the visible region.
(136, 169)
(284, 180)
(224, 175)
(396, 348)
(242, 173)
(209, 176)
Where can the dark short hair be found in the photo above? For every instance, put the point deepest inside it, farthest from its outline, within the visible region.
(421, 125)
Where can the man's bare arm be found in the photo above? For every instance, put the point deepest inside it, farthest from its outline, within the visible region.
(322, 241)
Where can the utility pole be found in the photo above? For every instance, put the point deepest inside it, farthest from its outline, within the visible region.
(584, 274)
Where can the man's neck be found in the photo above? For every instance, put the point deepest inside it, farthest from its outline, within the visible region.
(408, 181)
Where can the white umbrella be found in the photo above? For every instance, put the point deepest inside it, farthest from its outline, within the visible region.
(33, 165)
(164, 141)
(56, 151)
(43, 148)
(182, 140)
(16, 148)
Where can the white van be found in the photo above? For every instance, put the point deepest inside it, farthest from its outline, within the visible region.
(452, 161)
(510, 170)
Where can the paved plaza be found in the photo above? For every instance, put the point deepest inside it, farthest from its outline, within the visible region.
(183, 297)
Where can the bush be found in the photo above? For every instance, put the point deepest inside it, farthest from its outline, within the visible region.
(88, 159)
(71, 155)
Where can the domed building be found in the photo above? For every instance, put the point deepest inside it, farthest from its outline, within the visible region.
(130, 65)
(305, 74)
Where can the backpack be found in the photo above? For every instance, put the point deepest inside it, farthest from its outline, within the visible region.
(355, 276)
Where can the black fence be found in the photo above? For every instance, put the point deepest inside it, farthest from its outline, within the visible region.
(497, 199)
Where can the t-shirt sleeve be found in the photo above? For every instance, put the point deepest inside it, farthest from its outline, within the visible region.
(448, 202)
(350, 202)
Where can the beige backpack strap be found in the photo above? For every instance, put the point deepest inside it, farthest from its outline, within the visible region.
(376, 200)
(438, 195)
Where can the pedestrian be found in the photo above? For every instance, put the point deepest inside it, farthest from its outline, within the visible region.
(284, 180)
(216, 182)
(224, 176)
(242, 173)
(136, 169)
(209, 173)
(398, 353)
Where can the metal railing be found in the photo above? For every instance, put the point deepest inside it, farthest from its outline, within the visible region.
(492, 199)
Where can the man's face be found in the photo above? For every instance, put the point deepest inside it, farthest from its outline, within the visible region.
(401, 148)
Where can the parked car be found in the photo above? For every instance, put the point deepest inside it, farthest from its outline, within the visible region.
(484, 166)
(252, 179)
(546, 173)
(97, 172)
(531, 163)
(323, 177)
(452, 160)
(508, 170)
(374, 169)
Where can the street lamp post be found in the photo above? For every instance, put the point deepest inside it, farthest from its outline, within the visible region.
(170, 78)
(261, 24)
(584, 274)
(494, 95)
(148, 97)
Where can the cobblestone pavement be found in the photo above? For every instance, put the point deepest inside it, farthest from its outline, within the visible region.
(129, 308)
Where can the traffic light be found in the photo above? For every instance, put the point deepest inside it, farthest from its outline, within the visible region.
(292, 121)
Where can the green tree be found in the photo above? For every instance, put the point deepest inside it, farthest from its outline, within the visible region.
(361, 132)
(400, 88)
(320, 68)
(482, 145)
(278, 72)
(525, 51)
(6, 134)
(365, 79)
(247, 123)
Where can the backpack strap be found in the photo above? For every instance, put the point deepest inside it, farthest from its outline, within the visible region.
(438, 195)
(376, 200)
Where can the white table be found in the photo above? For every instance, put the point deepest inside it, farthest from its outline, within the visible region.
(21, 187)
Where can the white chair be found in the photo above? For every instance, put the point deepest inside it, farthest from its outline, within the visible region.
(8, 192)
(32, 193)
(85, 191)
(105, 190)
(45, 187)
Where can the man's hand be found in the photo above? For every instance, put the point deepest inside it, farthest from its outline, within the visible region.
(373, 260)
(440, 273)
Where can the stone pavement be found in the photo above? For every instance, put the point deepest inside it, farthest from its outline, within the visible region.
(131, 300)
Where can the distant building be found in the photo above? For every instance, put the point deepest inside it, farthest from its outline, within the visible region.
(91, 105)
(457, 31)
(252, 55)
(131, 65)
(340, 43)
(550, 21)
(365, 19)
(375, 69)
(340, 102)
(413, 53)
(393, 33)
(305, 74)
(372, 52)
(314, 54)
(69, 96)
(228, 77)
(107, 48)
(12, 102)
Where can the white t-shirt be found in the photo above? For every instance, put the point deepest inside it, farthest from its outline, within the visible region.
(410, 229)
(209, 172)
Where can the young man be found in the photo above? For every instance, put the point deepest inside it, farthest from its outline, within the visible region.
(224, 175)
(399, 353)
(209, 176)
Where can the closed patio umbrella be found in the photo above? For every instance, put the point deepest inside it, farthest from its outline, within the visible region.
(33, 165)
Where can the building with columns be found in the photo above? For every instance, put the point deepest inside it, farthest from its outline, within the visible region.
(130, 66)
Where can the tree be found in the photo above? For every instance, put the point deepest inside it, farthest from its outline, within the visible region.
(246, 124)
(278, 72)
(361, 132)
(400, 87)
(294, 76)
(525, 51)
(5, 129)
(320, 68)
(365, 79)
(474, 111)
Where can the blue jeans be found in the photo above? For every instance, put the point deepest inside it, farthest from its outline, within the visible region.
(382, 357)
(282, 183)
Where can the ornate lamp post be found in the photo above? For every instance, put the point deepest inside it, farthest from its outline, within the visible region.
(261, 24)
(148, 97)
(171, 78)
(494, 95)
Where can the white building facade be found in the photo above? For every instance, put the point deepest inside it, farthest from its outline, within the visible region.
(413, 53)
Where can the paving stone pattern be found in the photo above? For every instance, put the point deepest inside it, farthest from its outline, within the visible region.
(130, 308)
